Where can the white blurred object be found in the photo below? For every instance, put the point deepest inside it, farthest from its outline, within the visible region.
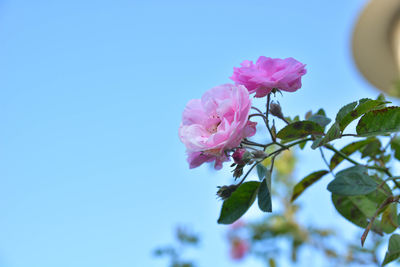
(376, 45)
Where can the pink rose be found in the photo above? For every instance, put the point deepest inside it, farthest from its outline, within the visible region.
(239, 248)
(268, 73)
(216, 123)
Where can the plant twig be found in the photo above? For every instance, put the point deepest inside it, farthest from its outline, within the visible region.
(267, 122)
(248, 142)
(324, 159)
(389, 200)
(248, 172)
(288, 146)
(272, 165)
(330, 147)
(381, 169)
(260, 112)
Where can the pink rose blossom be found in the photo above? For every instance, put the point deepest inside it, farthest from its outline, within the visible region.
(216, 123)
(239, 248)
(269, 73)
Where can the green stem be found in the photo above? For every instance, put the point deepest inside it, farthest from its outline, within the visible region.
(248, 172)
(341, 154)
(251, 143)
(274, 154)
(267, 122)
(381, 169)
(289, 145)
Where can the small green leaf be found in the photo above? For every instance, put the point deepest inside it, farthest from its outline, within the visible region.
(352, 111)
(381, 97)
(299, 129)
(321, 111)
(347, 150)
(317, 142)
(302, 145)
(320, 119)
(239, 202)
(379, 122)
(352, 182)
(306, 182)
(332, 134)
(261, 171)
(372, 149)
(393, 251)
(342, 113)
(264, 194)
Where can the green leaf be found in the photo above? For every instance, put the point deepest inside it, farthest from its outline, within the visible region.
(302, 145)
(320, 119)
(321, 111)
(264, 194)
(239, 202)
(393, 251)
(379, 122)
(352, 182)
(261, 171)
(332, 134)
(299, 129)
(347, 150)
(345, 110)
(348, 209)
(381, 97)
(389, 219)
(352, 111)
(395, 145)
(372, 149)
(359, 209)
(306, 182)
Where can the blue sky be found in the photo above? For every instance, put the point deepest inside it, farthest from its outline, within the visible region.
(91, 95)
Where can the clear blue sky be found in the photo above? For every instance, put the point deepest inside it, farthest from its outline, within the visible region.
(92, 172)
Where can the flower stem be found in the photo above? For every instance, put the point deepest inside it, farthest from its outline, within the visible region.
(248, 172)
(273, 154)
(267, 120)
